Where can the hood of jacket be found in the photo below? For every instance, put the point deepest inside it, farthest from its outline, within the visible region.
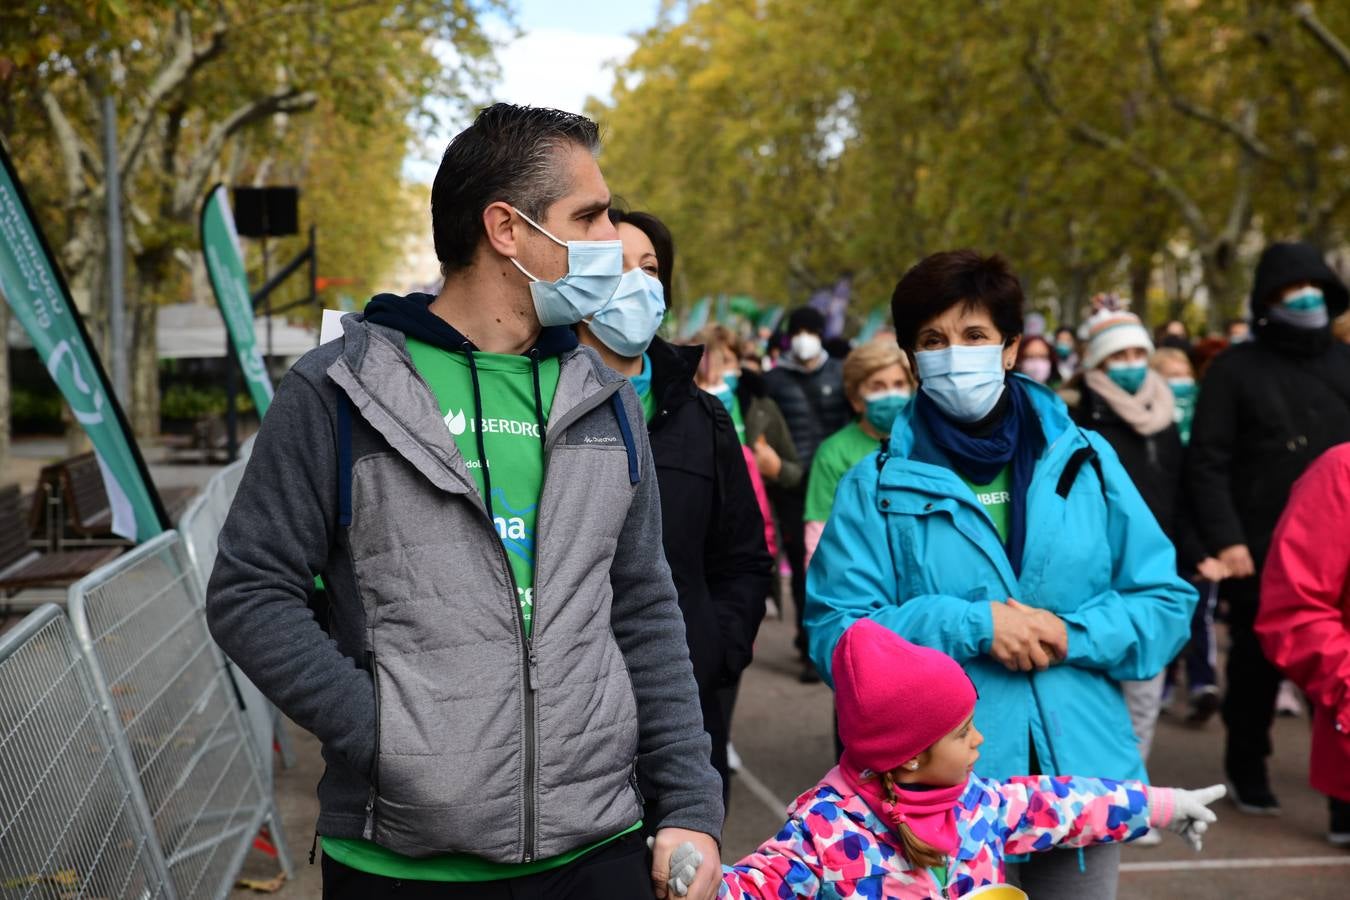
(1284, 264)
(412, 315)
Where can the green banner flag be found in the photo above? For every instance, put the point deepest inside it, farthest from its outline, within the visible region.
(32, 285)
(225, 266)
(875, 319)
(697, 318)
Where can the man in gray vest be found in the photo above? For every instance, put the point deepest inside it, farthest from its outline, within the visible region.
(504, 653)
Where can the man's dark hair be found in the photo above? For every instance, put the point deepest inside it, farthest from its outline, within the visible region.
(509, 153)
(656, 232)
(945, 279)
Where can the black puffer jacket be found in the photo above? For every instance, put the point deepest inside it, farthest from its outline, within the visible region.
(712, 530)
(1156, 465)
(1267, 409)
(812, 402)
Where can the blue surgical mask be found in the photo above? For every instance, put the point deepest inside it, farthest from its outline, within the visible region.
(882, 408)
(1182, 388)
(1305, 308)
(628, 322)
(593, 272)
(1128, 377)
(964, 381)
(725, 394)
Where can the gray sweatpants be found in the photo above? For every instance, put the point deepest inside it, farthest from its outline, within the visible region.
(1144, 700)
(1056, 875)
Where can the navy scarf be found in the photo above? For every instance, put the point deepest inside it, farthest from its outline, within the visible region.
(978, 452)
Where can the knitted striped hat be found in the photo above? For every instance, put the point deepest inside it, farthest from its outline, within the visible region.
(1113, 330)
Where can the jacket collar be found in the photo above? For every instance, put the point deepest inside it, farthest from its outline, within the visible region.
(673, 371)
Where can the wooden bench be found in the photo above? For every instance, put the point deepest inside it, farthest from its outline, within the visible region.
(21, 567)
(85, 511)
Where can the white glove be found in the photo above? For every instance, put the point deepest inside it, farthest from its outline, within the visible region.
(684, 863)
(1191, 815)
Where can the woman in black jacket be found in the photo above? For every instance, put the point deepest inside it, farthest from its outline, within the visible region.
(712, 531)
(1132, 406)
(1267, 409)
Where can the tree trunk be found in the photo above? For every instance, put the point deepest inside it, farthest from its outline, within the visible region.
(1222, 286)
(144, 412)
(1141, 276)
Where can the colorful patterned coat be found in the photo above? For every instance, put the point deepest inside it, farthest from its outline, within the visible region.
(833, 845)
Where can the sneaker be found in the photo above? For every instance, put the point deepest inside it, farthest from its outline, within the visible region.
(1338, 835)
(733, 759)
(1150, 838)
(1287, 702)
(1253, 798)
(1204, 703)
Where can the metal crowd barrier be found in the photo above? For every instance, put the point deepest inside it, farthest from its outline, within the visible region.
(200, 527)
(174, 711)
(73, 820)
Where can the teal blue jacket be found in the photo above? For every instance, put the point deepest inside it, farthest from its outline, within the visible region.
(909, 546)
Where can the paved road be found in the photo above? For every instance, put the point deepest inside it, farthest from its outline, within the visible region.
(783, 733)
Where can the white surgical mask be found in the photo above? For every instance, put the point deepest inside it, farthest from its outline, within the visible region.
(593, 272)
(806, 346)
(964, 381)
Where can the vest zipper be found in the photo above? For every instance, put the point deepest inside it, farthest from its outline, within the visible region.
(530, 682)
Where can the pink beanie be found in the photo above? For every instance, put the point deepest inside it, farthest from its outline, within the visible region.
(894, 699)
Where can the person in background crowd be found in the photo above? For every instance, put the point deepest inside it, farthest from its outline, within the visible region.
(1304, 621)
(1267, 409)
(741, 389)
(451, 741)
(1340, 328)
(1203, 352)
(1200, 656)
(711, 528)
(997, 531)
(1174, 366)
(1238, 331)
(903, 816)
(1037, 360)
(1066, 352)
(878, 385)
(808, 387)
(1131, 406)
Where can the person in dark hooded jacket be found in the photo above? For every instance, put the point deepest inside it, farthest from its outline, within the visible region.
(712, 530)
(808, 386)
(1267, 409)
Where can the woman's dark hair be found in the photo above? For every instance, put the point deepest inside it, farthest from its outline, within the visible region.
(656, 232)
(509, 153)
(945, 279)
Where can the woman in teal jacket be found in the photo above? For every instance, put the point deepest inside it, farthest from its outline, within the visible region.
(1014, 541)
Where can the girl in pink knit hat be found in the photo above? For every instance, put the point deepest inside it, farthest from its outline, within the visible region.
(904, 816)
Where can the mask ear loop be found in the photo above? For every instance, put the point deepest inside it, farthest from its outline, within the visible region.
(542, 230)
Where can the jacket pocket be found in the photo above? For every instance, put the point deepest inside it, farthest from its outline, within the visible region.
(374, 774)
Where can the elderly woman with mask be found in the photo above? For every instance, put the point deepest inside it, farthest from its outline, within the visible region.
(997, 531)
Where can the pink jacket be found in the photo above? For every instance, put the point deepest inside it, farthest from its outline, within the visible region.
(1304, 619)
(834, 846)
(762, 498)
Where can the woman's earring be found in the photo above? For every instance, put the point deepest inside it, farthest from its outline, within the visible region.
(912, 766)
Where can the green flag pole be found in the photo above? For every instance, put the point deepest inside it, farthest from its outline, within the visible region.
(35, 289)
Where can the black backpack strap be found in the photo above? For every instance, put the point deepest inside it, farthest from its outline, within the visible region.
(1075, 465)
(344, 452)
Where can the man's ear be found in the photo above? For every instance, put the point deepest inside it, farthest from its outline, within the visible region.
(501, 227)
